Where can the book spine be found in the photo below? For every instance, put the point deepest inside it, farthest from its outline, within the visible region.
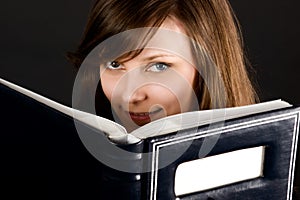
(125, 181)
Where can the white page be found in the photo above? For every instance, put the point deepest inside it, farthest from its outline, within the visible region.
(192, 119)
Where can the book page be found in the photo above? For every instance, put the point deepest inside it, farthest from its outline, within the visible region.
(197, 118)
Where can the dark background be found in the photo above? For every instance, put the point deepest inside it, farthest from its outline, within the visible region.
(36, 34)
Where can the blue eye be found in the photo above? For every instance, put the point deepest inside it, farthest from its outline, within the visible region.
(113, 65)
(158, 67)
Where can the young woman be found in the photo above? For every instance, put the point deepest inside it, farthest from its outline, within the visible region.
(144, 83)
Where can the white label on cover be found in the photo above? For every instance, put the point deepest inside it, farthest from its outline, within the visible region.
(219, 170)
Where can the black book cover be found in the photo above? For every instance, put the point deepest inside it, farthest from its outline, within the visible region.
(277, 131)
(42, 156)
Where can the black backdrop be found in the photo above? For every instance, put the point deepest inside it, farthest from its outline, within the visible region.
(36, 34)
(271, 34)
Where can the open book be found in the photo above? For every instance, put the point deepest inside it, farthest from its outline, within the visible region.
(255, 149)
(118, 133)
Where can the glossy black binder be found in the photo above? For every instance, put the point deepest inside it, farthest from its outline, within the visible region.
(41, 152)
(278, 131)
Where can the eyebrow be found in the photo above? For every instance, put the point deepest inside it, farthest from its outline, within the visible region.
(153, 57)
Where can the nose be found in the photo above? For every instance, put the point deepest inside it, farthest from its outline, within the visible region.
(134, 96)
(133, 90)
(137, 96)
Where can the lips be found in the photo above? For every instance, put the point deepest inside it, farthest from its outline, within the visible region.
(141, 118)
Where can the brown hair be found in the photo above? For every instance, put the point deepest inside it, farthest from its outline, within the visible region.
(210, 23)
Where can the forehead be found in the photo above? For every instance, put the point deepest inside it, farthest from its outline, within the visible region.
(173, 24)
(169, 38)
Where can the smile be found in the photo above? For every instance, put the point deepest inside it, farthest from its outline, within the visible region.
(141, 118)
(145, 113)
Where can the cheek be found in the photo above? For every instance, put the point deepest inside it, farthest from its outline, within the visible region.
(189, 73)
(162, 96)
(177, 96)
(108, 85)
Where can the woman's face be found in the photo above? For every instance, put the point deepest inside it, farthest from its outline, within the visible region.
(152, 85)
